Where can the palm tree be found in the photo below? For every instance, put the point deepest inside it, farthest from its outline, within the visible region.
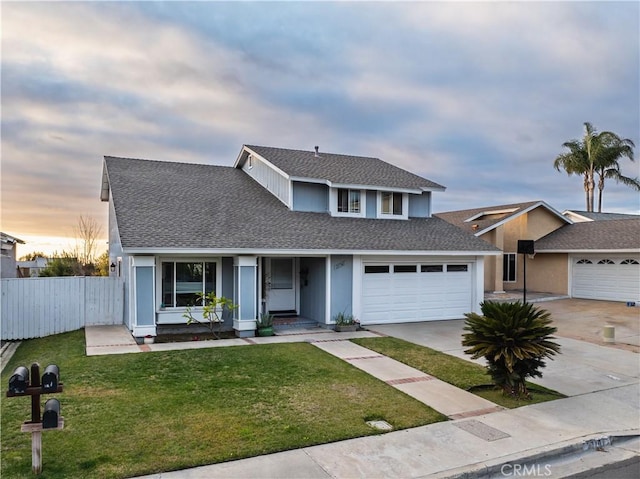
(596, 153)
(614, 148)
(514, 338)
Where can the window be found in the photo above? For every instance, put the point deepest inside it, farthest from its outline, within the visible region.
(509, 267)
(431, 268)
(250, 161)
(405, 268)
(584, 261)
(348, 201)
(629, 261)
(605, 261)
(376, 269)
(391, 203)
(183, 282)
(457, 268)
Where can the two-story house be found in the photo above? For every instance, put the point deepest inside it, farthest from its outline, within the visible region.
(287, 232)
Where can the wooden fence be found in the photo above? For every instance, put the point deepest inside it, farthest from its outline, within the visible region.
(38, 307)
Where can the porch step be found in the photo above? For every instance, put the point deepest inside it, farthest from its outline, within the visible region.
(294, 323)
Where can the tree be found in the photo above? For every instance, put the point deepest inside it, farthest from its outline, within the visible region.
(608, 166)
(87, 232)
(33, 256)
(595, 153)
(64, 264)
(102, 264)
(514, 339)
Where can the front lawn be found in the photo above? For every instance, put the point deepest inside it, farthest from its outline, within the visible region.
(456, 371)
(137, 414)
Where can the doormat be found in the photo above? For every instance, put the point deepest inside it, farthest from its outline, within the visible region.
(481, 430)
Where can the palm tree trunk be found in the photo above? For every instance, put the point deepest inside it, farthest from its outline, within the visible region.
(600, 191)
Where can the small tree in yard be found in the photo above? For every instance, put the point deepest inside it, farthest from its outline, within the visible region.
(514, 338)
(212, 309)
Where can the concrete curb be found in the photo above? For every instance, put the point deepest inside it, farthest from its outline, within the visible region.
(533, 460)
(7, 353)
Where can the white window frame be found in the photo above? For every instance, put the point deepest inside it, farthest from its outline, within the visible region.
(159, 285)
(405, 206)
(333, 203)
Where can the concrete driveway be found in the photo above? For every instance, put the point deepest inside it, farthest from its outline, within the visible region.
(585, 365)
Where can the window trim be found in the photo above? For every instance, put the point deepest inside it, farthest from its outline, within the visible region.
(333, 202)
(218, 287)
(405, 206)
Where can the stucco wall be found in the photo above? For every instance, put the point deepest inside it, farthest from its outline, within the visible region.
(548, 273)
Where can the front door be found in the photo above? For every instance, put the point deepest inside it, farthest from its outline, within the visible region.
(280, 284)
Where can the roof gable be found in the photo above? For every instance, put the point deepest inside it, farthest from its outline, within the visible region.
(338, 170)
(482, 220)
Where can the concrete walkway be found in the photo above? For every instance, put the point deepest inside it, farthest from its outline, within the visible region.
(449, 400)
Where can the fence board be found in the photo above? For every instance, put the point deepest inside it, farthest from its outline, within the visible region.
(38, 307)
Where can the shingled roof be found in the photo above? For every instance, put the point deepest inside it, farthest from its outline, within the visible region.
(610, 235)
(173, 206)
(341, 169)
(481, 220)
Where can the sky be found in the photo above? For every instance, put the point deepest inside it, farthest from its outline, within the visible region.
(478, 97)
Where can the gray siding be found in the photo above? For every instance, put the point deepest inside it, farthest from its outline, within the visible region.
(420, 205)
(341, 285)
(372, 204)
(311, 197)
(269, 178)
(313, 289)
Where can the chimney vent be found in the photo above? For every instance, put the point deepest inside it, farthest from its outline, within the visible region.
(317, 148)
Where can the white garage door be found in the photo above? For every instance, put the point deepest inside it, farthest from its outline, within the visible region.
(606, 277)
(397, 293)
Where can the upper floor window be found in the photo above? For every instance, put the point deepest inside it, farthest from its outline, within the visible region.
(392, 205)
(348, 201)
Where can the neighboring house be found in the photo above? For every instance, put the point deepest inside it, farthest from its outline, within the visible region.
(502, 226)
(31, 269)
(9, 267)
(599, 259)
(578, 254)
(288, 232)
(581, 216)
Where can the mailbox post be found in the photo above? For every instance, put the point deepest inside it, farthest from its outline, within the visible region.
(19, 385)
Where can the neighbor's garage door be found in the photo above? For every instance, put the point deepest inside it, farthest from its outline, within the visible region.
(607, 277)
(396, 293)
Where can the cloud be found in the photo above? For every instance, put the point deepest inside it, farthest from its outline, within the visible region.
(476, 96)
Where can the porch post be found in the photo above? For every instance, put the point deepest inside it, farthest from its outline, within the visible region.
(245, 295)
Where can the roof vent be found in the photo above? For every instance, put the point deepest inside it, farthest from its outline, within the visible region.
(317, 148)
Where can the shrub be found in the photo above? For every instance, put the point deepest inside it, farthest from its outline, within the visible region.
(514, 338)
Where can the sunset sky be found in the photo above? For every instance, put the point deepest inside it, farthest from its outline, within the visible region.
(478, 97)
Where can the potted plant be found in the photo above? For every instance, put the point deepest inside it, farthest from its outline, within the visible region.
(345, 322)
(264, 324)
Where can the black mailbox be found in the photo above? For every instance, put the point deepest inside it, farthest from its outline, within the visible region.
(51, 414)
(19, 381)
(50, 379)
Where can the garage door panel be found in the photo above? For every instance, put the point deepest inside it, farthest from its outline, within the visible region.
(603, 280)
(421, 296)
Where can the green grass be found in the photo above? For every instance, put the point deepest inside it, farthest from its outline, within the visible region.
(463, 374)
(137, 414)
